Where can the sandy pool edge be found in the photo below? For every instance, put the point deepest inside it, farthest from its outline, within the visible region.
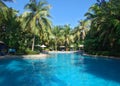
(37, 56)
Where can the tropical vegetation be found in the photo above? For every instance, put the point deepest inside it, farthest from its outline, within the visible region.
(26, 32)
(104, 35)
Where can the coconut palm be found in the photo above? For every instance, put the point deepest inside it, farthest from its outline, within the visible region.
(56, 36)
(3, 11)
(105, 23)
(2, 4)
(80, 31)
(36, 19)
(66, 33)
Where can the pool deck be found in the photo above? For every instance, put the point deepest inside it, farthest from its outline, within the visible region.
(38, 56)
(98, 56)
(43, 56)
(62, 51)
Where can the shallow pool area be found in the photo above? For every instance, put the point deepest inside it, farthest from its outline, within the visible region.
(60, 69)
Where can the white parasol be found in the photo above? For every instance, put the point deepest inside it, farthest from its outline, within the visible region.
(43, 46)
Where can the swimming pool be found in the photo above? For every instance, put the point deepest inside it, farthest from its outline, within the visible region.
(60, 70)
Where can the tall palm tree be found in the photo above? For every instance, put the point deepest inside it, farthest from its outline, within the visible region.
(66, 33)
(56, 36)
(105, 23)
(80, 31)
(3, 4)
(4, 9)
(83, 28)
(36, 19)
(3, 17)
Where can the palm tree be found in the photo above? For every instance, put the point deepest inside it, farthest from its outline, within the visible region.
(36, 19)
(4, 11)
(80, 31)
(56, 36)
(2, 4)
(105, 23)
(67, 37)
(84, 27)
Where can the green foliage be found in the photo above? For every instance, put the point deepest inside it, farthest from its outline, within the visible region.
(61, 36)
(80, 31)
(104, 34)
(36, 20)
(28, 51)
(33, 27)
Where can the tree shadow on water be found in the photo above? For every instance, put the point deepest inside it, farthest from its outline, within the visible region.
(13, 72)
(21, 72)
(108, 69)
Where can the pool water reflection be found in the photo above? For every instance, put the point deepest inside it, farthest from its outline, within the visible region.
(60, 70)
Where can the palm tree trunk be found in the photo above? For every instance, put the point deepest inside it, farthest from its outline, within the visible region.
(66, 47)
(55, 44)
(83, 35)
(33, 43)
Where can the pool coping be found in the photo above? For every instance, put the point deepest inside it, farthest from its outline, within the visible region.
(37, 56)
(63, 51)
(42, 55)
(111, 57)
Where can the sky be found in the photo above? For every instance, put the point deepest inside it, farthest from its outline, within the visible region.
(62, 11)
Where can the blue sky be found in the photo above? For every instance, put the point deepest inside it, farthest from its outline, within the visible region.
(62, 11)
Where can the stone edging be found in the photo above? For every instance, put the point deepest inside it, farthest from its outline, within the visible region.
(39, 56)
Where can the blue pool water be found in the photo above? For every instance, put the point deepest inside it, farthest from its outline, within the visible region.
(60, 70)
